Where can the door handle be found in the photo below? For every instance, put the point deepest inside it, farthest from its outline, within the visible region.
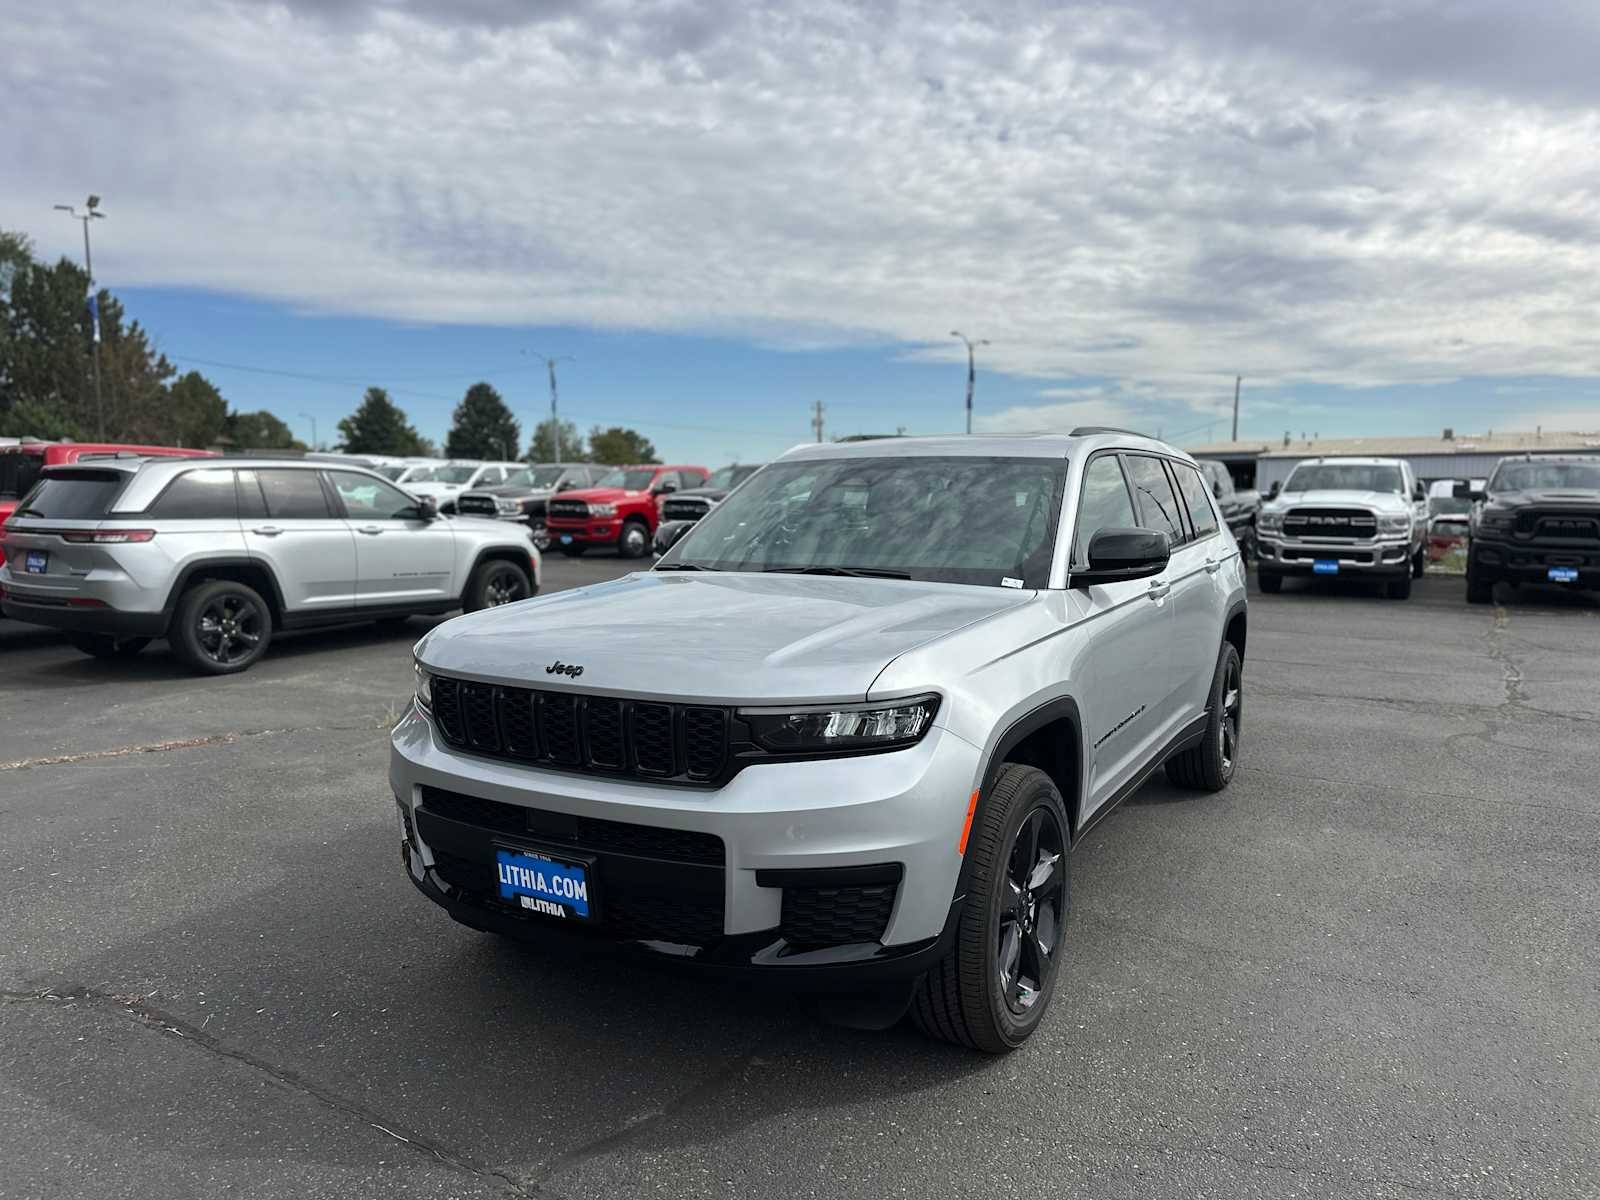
(1158, 589)
(1213, 566)
(267, 530)
(371, 529)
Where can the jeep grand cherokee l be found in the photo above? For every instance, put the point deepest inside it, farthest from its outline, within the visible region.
(846, 732)
(1538, 522)
(217, 555)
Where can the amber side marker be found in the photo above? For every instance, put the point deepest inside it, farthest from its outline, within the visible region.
(972, 807)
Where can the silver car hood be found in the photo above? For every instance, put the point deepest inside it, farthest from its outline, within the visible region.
(734, 638)
(1387, 502)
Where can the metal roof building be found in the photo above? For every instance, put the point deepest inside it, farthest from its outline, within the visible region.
(1450, 456)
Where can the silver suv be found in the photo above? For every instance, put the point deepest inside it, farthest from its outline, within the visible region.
(215, 556)
(846, 731)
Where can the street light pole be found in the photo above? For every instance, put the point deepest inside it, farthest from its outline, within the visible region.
(555, 419)
(316, 442)
(972, 369)
(92, 212)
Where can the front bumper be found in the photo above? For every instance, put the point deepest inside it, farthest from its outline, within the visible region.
(1376, 558)
(1524, 562)
(794, 836)
(591, 532)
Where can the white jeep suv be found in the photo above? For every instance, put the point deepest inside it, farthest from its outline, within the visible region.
(846, 732)
(216, 554)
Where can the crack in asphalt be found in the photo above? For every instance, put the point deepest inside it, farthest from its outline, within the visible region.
(135, 1008)
(384, 721)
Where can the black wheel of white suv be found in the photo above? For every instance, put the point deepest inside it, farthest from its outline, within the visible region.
(1209, 766)
(991, 990)
(221, 627)
(494, 583)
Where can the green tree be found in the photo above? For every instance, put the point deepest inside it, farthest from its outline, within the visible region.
(259, 431)
(619, 447)
(378, 426)
(543, 447)
(196, 413)
(482, 426)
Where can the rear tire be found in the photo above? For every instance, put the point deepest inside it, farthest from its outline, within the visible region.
(971, 998)
(104, 645)
(634, 540)
(1399, 589)
(1480, 586)
(221, 627)
(1209, 766)
(496, 582)
(1269, 582)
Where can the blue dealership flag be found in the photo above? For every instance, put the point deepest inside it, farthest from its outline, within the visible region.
(94, 313)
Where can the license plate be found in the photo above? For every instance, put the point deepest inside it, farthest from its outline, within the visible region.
(566, 539)
(36, 562)
(1325, 566)
(550, 886)
(1557, 574)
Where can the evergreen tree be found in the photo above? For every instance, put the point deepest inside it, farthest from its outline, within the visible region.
(620, 447)
(260, 431)
(482, 426)
(378, 426)
(543, 447)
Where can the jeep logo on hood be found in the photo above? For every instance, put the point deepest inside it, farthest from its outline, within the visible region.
(570, 670)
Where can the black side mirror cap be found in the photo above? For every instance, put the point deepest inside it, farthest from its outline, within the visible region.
(428, 509)
(669, 535)
(1118, 555)
(1272, 492)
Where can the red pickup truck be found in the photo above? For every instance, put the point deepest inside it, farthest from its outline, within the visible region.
(20, 465)
(619, 510)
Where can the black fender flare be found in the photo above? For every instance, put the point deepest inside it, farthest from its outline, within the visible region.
(187, 575)
(522, 555)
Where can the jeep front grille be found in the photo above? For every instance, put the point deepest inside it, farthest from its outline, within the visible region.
(1330, 524)
(675, 742)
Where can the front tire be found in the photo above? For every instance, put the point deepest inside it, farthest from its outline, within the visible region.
(1419, 564)
(494, 583)
(1209, 766)
(1270, 582)
(104, 645)
(1480, 585)
(1399, 589)
(991, 990)
(634, 540)
(221, 627)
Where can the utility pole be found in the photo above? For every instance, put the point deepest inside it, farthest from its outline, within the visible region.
(91, 212)
(816, 420)
(1237, 380)
(972, 369)
(316, 443)
(555, 419)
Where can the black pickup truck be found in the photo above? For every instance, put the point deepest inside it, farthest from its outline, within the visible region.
(1239, 508)
(1536, 521)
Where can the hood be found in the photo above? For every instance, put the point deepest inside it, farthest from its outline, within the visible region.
(700, 493)
(437, 490)
(1551, 497)
(734, 638)
(1388, 502)
(508, 490)
(599, 495)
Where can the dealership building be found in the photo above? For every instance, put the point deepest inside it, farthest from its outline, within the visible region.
(1449, 456)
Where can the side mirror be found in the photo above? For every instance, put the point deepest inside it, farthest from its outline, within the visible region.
(669, 534)
(1118, 555)
(566, 485)
(666, 486)
(1274, 491)
(427, 509)
(1216, 488)
(1420, 492)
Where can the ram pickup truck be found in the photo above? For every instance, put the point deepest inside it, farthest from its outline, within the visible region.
(826, 744)
(618, 510)
(1360, 517)
(1536, 521)
(525, 492)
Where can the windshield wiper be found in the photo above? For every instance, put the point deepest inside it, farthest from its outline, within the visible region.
(864, 572)
(27, 512)
(684, 567)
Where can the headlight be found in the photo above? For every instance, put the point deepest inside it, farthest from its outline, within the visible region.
(424, 689)
(507, 506)
(1499, 522)
(602, 510)
(1270, 522)
(844, 727)
(1395, 522)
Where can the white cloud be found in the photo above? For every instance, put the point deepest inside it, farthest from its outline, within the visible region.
(1156, 197)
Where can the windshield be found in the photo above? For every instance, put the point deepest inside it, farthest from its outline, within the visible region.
(392, 473)
(1345, 477)
(632, 479)
(520, 478)
(948, 519)
(545, 477)
(1537, 476)
(452, 474)
(731, 476)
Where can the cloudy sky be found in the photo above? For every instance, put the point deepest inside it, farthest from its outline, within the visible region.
(1385, 214)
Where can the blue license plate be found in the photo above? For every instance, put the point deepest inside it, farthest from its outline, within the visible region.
(1557, 574)
(566, 539)
(37, 562)
(1325, 566)
(541, 884)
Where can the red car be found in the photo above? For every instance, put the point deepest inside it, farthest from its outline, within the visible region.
(619, 510)
(20, 465)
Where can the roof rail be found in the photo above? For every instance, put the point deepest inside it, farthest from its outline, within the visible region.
(1086, 430)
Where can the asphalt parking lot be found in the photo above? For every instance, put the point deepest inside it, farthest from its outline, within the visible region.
(1368, 969)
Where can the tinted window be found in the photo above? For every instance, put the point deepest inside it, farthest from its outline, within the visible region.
(1152, 493)
(72, 496)
(292, 495)
(1103, 504)
(371, 499)
(954, 519)
(1197, 498)
(18, 473)
(198, 495)
(491, 477)
(1337, 476)
(1522, 476)
(634, 480)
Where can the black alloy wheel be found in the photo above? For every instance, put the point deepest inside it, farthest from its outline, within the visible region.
(1209, 766)
(504, 587)
(1232, 713)
(1032, 906)
(228, 628)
